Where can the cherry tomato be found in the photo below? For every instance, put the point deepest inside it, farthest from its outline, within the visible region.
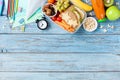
(54, 18)
(59, 19)
(51, 1)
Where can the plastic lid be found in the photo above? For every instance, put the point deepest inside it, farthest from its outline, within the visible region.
(102, 20)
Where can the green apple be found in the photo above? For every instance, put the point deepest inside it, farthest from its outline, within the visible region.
(113, 13)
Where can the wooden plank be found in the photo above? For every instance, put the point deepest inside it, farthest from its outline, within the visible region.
(60, 76)
(59, 62)
(60, 43)
(54, 29)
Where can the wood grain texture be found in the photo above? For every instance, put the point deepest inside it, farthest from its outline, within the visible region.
(54, 54)
(55, 29)
(59, 62)
(60, 76)
(60, 43)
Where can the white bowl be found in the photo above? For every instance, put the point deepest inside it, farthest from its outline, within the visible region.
(90, 26)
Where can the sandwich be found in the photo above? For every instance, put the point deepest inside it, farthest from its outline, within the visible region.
(73, 16)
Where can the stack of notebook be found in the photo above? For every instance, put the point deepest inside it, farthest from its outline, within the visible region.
(21, 12)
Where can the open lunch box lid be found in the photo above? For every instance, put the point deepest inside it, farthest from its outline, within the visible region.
(65, 14)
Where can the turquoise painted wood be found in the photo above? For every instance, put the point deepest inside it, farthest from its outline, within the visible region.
(60, 43)
(54, 54)
(55, 29)
(59, 62)
(60, 76)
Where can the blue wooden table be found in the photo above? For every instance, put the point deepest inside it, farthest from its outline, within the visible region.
(54, 54)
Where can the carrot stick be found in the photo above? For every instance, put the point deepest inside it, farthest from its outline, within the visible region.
(60, 24)
(65, 26)
(69, 28)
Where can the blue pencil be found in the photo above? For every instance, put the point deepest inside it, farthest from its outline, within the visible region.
(1, 6)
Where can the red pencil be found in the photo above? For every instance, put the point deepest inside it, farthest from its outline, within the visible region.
(8, 11)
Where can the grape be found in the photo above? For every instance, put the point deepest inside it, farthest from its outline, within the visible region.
(57, 7)
(66, 2)
(66, 5)
(62, 8)
(62, 5)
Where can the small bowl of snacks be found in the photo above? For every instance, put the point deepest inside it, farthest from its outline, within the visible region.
(90, 24)
(49, 10)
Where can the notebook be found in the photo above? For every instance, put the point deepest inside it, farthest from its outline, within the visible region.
(22, 12)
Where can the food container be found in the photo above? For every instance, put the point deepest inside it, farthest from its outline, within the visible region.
(71, 19)
(47, 6)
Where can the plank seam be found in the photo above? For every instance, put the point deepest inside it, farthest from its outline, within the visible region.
(59, 71)
(56, 53)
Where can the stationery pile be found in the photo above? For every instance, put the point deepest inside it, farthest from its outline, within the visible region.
(12, 9)
(21, 12)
